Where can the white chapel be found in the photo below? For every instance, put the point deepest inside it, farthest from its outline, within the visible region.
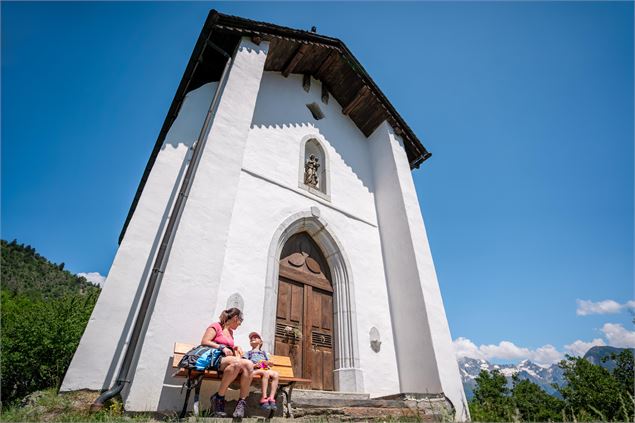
(280, 184)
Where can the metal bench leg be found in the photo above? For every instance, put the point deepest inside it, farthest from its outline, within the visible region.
(188, 386)
(286, 400)
(197, 396)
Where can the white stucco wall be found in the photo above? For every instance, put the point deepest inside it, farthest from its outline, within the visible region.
(94, 365)
(269, 194)
(190, 283)
(425, 355)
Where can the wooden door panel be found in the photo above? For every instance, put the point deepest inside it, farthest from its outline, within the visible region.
(290, 312)
(327, 312)
(316, 310)
(317, 367)
(327, 378)
(284, 300)
(305, 302)
(297, 304)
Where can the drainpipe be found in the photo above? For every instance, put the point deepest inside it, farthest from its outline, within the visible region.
(166, 242)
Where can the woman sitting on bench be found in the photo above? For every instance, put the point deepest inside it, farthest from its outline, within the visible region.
(221, 335)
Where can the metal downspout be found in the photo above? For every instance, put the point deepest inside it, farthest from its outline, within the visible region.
(166, 243)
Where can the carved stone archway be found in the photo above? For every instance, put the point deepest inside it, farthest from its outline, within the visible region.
(347, 374)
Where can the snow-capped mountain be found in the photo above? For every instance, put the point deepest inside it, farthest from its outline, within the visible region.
(540, 375)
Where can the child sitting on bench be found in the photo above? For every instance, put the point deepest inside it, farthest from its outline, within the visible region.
(262, 367)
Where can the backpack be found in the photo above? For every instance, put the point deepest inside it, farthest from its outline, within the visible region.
(201, 358)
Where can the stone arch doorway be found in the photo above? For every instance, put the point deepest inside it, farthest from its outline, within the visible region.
(347, 375)
(304, 312)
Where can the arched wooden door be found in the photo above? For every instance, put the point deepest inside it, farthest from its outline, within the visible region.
(304, 316)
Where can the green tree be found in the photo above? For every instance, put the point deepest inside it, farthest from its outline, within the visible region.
(592, 392)
(44, 310)
(491, 400)
(533, 404)
(623, 371)
(38, 339)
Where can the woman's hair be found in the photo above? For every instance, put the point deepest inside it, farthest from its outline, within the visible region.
(228, 314)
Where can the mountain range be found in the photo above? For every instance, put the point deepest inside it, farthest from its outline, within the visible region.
(543, 376)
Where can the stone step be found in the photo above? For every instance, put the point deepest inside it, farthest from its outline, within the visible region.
(346, 403)
(328, 406)
(304, 394)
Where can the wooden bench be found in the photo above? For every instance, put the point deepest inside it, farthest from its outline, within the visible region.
(281, 364)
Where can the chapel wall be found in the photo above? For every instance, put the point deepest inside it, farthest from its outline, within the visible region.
(184, 301)
(269, 193)
(98, 356)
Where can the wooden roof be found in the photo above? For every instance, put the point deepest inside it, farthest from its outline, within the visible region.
(290, 51)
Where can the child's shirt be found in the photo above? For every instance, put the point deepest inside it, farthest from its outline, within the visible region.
(258, 357)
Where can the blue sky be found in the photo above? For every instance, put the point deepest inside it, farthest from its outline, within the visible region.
(526, 107)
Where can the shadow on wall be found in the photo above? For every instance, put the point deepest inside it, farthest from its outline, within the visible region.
(282, 103)
(173, 392)
(187, 126)
(119, 350)
(182, 134)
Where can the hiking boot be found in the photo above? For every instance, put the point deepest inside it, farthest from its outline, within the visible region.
(218, 406)
(239, 412)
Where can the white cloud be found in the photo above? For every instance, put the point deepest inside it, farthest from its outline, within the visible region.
(587, 307)
(579, 348)
(463, 347)
(506, 350)
(618, 336)
(547, 354)
(94, 277)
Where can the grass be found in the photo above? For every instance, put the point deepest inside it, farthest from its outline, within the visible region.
(48, 406)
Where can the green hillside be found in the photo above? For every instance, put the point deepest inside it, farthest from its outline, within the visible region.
(24, 271)
(605, 356)
(44, 312)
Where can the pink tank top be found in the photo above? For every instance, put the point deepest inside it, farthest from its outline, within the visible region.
(220, 337)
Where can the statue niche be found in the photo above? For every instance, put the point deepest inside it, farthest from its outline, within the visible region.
(311, 171)
(313, 168)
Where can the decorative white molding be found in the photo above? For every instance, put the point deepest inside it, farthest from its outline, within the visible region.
(346, 213)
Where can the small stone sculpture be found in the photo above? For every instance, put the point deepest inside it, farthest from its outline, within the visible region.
(311, 171)
(375, 343)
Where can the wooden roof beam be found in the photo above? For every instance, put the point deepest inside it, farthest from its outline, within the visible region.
(326, 64)
(361, 94)
(297, 56)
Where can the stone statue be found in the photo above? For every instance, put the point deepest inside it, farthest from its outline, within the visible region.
(311, 171)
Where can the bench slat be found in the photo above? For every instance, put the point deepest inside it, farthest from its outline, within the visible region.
(285, 372)
(210, 374)
(282, 364)
(180, 349)
(281, 360)
(278, 361)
